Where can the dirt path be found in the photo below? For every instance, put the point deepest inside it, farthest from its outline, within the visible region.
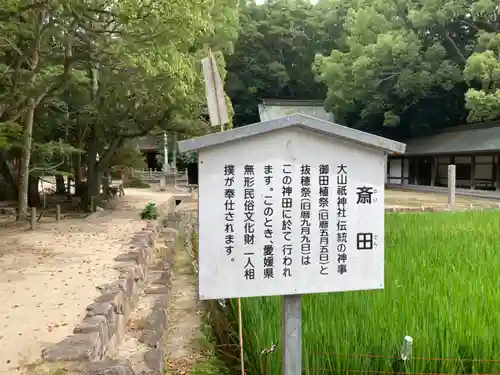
(49, 276)
(184, 317)
(406, 198)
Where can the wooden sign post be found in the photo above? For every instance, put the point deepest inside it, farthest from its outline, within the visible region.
(275, 220)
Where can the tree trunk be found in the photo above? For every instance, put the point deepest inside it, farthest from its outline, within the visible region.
(77, 169)
(33, 192)
(105, 184)
(11, 184)
(93, 181)
(25, 160)
(60, 186)
(93, 186)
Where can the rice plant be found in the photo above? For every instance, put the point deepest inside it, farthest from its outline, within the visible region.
(442, 287)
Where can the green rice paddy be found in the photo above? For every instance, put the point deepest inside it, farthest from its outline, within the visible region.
(442, 288)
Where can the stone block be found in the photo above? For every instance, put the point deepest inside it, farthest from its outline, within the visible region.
(155, 360)
(158, 290)
(95, 324)
(91, 324)
(111, 287)
(160, 277)
(129, 286)
(111, 320)
(103, 308)
(139, 273)
(131, 256)
(115, 298)
(77, 347)
(157, 323)
(111, 367)
(140, 240)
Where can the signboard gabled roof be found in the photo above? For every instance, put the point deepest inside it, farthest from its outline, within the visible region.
(295, 120)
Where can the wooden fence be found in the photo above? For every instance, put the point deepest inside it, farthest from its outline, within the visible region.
(177, 178)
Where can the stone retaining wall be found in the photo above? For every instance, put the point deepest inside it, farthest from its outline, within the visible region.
(104, 325)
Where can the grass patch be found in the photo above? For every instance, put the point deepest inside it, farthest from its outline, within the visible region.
(208, 363)
(441, 288)
(209, 367)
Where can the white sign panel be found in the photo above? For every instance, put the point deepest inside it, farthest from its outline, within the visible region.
(290, 212)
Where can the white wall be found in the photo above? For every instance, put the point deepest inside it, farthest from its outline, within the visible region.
(222, 275)
(395, 171)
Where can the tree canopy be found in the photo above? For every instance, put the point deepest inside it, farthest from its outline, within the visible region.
(275, 51)
(415, 64)
(397, 68)
(79, 78)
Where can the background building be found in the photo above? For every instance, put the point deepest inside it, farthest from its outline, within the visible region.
(474, 149)
(274, 108)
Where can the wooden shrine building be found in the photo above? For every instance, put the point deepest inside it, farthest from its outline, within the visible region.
(474, 149)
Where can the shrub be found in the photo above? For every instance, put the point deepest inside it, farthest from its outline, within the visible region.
(150, 212)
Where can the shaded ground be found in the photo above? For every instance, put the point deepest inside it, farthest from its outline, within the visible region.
(48, 276)
(184, 334)
(414, 199)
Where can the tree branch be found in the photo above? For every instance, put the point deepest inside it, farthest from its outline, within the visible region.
(104, 160)
(446, 35)
(56, 83)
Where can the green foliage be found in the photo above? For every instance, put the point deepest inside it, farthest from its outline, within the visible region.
(426, 296)
(10, 133)
(414, 64)
(188, 158)
(134, 182)
(129, 156)
(273, 56)
(150, 212)
(102, 73)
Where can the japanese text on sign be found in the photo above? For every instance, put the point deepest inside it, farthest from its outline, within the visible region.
(284, 223)
(341, 219)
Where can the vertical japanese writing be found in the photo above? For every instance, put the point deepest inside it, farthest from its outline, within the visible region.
(341, 219)
(364, 194)
(249, 221)
(229, 195)
(268, 249)
(286, 227)
(323, 218)
(305, 214)
(365, 240)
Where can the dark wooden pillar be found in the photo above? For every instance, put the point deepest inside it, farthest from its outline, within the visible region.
(473, 172)
(415, 160)
(493, 172)
(497, 174)
(402, 170)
